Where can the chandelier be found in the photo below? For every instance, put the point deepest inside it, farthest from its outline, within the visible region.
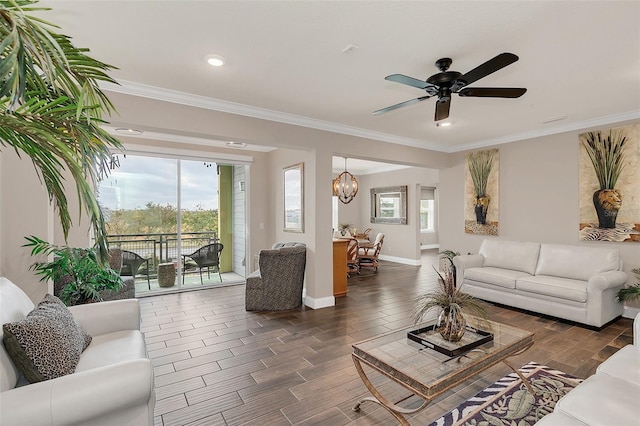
(345, 186)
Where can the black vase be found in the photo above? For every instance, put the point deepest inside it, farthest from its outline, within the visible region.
(481, 207)
(607, 203)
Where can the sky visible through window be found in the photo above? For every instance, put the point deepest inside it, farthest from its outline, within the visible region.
(140, 180)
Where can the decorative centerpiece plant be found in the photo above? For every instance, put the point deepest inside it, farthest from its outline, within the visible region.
(79, 269)
(451, 302)
(607, 157)
(344, 228)
(480, 165)
(51, 110)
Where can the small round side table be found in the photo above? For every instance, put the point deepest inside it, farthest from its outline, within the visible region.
(166, 275)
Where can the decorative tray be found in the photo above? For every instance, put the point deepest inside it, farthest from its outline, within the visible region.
(431, 338)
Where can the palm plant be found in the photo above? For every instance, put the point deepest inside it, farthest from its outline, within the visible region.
(606, 155)
(51, 110)
(480, 165)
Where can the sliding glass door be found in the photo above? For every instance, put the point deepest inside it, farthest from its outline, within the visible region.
(172, 218)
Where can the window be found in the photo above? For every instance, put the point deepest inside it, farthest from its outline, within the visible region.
(426, 216)
(427, 209)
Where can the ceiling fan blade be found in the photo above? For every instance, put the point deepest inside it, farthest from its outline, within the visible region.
(493, 92)
(401, 104)
(409, 81)
(442, 108)
(489, 67)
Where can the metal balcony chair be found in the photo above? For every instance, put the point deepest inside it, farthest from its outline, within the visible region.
(205, 257)
(131, 263)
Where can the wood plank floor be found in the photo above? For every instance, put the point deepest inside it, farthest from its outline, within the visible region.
(217, 364)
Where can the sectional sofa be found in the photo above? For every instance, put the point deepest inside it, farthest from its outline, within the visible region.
(609, 397)
(577, 283)
(47, 378)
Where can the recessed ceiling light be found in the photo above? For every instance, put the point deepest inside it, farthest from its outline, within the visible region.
(215, 60)
(232, 144)
(554, 119)
(130, 132)
(443, 124)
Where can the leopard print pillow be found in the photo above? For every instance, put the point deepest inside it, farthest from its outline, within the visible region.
(47, 343)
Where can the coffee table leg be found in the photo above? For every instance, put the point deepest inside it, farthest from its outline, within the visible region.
(524, 379)
(392, 408)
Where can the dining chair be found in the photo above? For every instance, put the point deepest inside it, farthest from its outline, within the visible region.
(368, 258)
(353, 263)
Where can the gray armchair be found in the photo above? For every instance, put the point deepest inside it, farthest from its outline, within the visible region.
(277, 284)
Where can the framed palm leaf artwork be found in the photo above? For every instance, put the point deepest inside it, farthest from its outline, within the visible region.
(609, 184)
(481, 192)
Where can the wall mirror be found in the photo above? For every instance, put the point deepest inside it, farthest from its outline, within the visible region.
(294, 198)
(389, 205)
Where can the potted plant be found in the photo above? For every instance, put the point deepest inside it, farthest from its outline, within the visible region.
(607, 157)
(344, 228)
(84, 277)
(446, 262)
(451, 302)
(51, 108)
(630, 293)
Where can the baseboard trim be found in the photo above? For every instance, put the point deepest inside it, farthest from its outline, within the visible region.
(322, 302)
(412, 262)
(630, 312)
(429, 246)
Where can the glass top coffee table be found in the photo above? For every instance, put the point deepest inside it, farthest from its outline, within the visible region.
(428, 373)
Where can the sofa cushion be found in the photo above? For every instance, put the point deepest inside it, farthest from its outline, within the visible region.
(624, 365)
(561, 288)
(112, 348)
(602, 400)
(495, 276)
(579, 263)
(47, 343)
(514, 255)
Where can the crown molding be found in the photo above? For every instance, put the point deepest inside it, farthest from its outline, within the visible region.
(188, 99)
(569, 127)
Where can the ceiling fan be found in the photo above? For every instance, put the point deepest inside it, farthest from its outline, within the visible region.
(444, 83)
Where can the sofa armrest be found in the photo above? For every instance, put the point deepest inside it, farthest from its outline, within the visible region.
(107, 317)
(79, 397)
(465, 261)
(606, 280)
(636, 330)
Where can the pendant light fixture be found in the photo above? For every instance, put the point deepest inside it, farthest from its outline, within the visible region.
(345, 186)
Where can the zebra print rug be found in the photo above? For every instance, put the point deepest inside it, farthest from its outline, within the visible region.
(507, 402)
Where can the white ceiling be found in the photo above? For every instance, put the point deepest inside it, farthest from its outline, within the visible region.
(579, 60)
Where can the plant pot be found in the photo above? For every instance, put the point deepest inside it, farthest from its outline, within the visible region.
(451, 327)
(482, 205)
(607, 203)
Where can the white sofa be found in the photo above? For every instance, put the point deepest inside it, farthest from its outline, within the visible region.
(609, 397)
(577, 283)
(113, 383)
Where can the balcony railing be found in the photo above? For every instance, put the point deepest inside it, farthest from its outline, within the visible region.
(161, 247)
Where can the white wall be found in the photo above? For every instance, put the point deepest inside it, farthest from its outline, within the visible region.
(25, 211)
(538, 198)
(401, 242)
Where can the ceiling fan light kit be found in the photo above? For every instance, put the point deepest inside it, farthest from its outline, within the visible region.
(445, 83)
